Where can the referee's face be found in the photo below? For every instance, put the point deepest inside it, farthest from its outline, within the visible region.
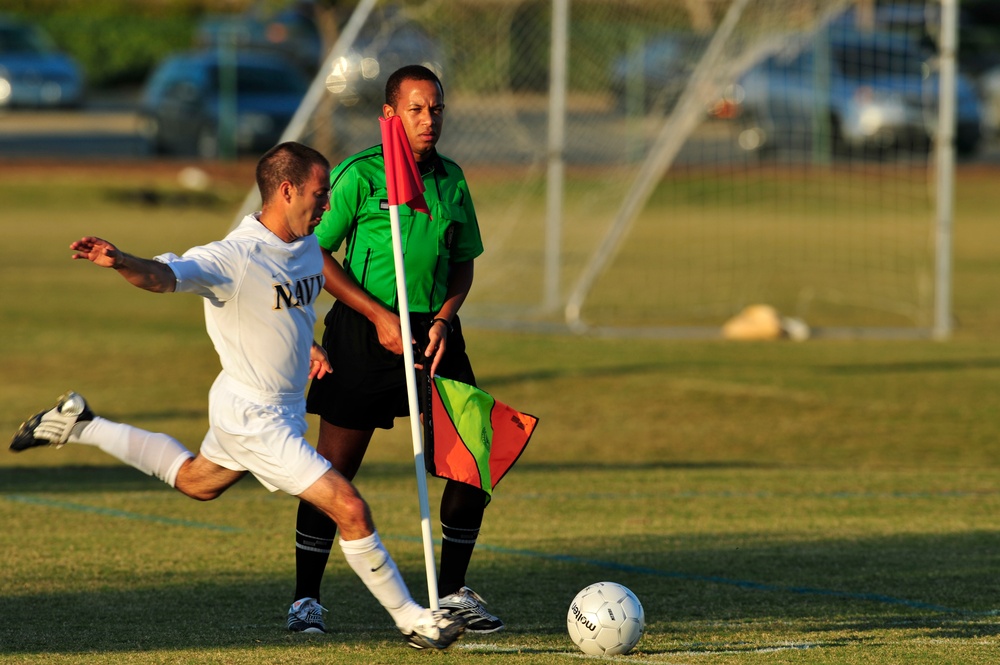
(420, 106)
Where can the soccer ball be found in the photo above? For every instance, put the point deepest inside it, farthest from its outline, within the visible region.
(605, 619)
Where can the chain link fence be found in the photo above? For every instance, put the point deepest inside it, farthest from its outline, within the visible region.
(687, 184)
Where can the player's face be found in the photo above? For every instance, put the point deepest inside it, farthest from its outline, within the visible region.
(420, 106)
(309, 203)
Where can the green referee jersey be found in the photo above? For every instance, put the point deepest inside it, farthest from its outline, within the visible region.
(359, 215)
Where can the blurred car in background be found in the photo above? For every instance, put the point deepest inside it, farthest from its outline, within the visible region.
(291, 32)
(183, 104)
(652, 75)
(989, 87)
(387, 42)
(33, 72)
(978, 23)
(871, 90)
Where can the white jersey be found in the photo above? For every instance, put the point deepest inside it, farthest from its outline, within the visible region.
(259, 294)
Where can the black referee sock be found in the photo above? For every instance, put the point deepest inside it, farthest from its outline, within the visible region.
(462, 509)
(314, 536)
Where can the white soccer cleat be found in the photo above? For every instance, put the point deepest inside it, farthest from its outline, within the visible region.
(52, 427)
(435, 629)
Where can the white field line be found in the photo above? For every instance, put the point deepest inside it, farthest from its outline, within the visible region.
(661, 659)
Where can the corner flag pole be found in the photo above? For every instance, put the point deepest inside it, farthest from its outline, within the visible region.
(411, 395)
(404, 185)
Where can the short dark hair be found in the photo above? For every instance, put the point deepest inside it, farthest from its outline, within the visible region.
(289, 161)
(407, 73)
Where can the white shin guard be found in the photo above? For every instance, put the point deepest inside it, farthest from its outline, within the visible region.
(154, 454)
(373, 564)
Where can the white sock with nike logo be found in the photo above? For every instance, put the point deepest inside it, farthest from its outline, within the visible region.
(153, 453)
(373, 564)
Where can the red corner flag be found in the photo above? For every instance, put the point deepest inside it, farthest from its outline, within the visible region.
(402, 178)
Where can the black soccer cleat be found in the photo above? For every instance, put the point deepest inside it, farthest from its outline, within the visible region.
(469, 605)
(306, 616)
(52, 427)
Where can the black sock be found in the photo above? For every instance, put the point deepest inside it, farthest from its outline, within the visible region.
(314, 536)
(462, 509)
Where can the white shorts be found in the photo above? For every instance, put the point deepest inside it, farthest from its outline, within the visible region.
(264, 435)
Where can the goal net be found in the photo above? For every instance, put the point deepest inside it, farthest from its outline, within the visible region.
(656, 166)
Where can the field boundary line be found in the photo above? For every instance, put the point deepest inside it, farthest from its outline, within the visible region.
(122, 514)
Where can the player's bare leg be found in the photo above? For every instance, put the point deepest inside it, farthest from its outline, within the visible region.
(339, 500)
(315, 532)
(203, 480)
(367, 556)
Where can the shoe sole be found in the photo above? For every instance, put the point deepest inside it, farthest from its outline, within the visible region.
(24, 437)
(426, 643)
(434, 646)
(300, 627)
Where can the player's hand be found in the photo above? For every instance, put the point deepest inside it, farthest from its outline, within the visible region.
(97, 251)
(319, 363)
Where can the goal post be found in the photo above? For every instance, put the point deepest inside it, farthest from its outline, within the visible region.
(653, 167)
(945, 147)
(678, 125)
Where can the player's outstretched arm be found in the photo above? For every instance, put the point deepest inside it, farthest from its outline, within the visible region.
(145, 273)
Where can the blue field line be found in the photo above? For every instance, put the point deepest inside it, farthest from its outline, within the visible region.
(111, 512)
(713, 579)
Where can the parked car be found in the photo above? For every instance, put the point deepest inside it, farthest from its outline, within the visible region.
(653, 74)
(387, 42)
(989, 86)
(183, 100)
(291, 32)
(33, 72)
(872, 90)
(978, 23)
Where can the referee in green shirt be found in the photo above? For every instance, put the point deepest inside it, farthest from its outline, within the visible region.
(367, 388)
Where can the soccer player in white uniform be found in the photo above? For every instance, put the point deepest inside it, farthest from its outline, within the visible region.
(259, 284)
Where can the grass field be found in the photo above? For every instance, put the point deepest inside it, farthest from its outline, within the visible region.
(829, 502)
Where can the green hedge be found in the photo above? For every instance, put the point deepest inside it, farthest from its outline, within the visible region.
(120, 50)
(117, 42)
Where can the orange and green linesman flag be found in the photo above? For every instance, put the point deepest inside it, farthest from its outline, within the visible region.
(471, 437)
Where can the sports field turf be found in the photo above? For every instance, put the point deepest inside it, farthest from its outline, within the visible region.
(824, 502)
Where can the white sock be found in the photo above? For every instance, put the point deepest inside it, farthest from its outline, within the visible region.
(154, 454)
(372, 563)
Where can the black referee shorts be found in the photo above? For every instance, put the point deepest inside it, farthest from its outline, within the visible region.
(367, 388)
